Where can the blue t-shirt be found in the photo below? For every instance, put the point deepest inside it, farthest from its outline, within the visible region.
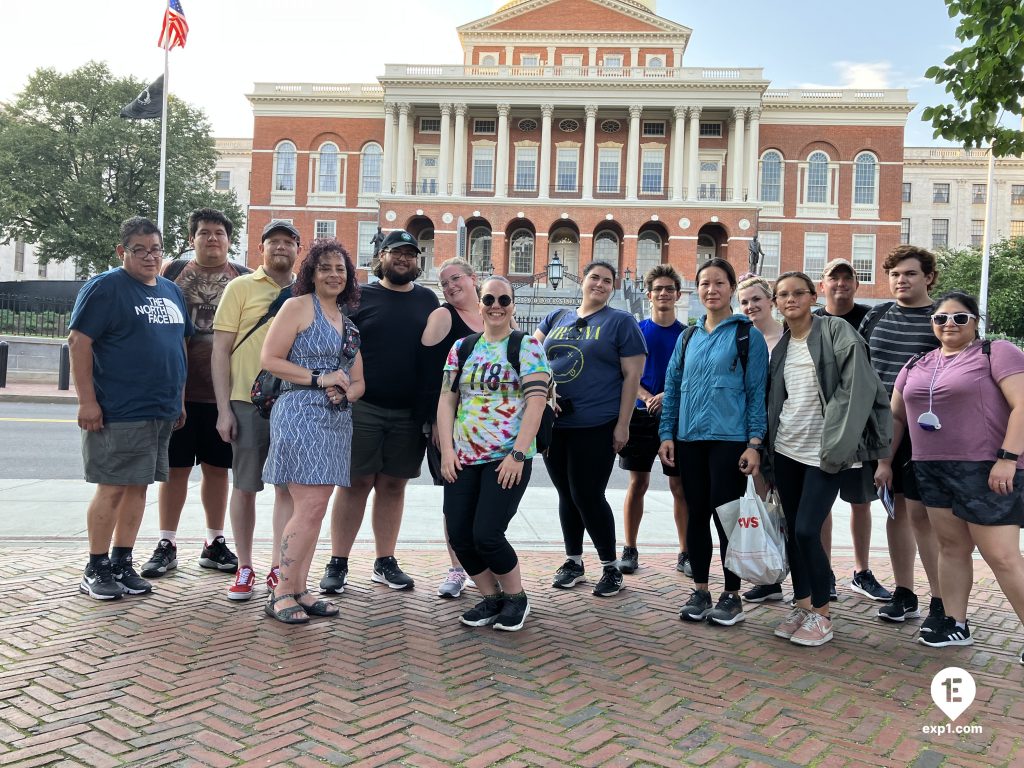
(138, 352)
(661, 340)
(584, 355)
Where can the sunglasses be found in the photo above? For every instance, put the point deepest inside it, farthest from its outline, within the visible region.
(959, 318)
(488, 300)
(576, 331)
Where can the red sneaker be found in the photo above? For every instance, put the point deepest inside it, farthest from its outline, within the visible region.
(244, 581)
(273, 578)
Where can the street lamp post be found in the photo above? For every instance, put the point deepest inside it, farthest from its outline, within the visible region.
(627, 284)
(555, 271)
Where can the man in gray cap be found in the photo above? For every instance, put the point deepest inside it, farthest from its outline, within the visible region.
(387, 442)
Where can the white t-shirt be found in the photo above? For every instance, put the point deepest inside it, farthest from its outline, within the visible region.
(801, 422)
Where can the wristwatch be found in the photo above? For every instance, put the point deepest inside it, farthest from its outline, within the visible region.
(313, 383)
(518, 456)
(759, 447)
(1002, 453)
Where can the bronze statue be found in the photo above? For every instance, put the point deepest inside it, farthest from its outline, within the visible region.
(754, 255)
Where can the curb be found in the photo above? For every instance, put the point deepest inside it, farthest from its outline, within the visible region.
(45, 399)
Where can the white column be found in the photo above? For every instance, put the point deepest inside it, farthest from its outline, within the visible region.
(736, 161)
(445, 159)
(678, 142)
(501, 154)
(634, 58)
(633, 150)
(403, 149)
(588, 153)
(459, 161)
(753, 153)
(388, 160)
(545, 150)
(692, 157)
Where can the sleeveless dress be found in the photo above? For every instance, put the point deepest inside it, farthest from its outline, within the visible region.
(310, 437)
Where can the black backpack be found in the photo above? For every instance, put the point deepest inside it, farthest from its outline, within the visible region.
(172, 270)
(872, 318)
(742, 346)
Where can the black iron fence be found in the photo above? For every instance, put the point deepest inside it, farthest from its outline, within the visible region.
(35, 315)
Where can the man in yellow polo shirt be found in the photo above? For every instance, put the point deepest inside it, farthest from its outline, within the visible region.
(239, 328)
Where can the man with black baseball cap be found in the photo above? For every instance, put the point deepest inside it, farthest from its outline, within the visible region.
(387, 441)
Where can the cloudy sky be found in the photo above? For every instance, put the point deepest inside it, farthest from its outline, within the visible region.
(234, 43)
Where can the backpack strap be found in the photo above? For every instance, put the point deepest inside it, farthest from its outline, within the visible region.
(873, 317)
(687, 335)
(465, 350)
(515, 341)
(743, 344)
(275, 307)
(914, 360)
(174, 268)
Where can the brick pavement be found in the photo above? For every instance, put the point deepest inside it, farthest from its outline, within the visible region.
(183, 678)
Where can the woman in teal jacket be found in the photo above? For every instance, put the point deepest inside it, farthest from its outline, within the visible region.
(713, 423)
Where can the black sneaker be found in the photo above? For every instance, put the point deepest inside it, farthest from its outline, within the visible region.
(485, 612)
(98, 583)
(936, 619)
(128, 579)
(866, 584)
(218, 557)
(610, 583)
(902, 606)
(569, 575)
(763, 593)
(335, 577)
(832, 594)
(164, 559)
(729, 610)
(697, 607)
(949, 634)
(630, 560)
(386, 571)
(683, 564)
(514, 611)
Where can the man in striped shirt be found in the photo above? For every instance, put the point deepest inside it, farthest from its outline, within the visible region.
(895, 332)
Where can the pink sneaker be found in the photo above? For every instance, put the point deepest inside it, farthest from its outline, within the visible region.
(816, 630)
(273, 578)
(791, 623)
(244, 581)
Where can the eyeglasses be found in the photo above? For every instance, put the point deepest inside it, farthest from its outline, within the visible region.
(402, 255)
(488, 300)
(798, 294)
(959, 318)
(664, 289)
(452, 280)
(142, 254)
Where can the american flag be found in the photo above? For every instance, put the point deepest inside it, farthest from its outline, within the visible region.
(175, 28)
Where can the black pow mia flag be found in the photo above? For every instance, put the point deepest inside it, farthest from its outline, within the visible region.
(148, 105)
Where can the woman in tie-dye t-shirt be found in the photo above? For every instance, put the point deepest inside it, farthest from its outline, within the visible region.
(490, 414)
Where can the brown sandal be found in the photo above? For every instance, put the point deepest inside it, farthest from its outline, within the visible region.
(289, 615)
(319, 608)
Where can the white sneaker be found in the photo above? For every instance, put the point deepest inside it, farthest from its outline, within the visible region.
(453, 584)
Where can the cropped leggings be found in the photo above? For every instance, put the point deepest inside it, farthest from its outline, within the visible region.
(711, 477)
(478, 510)
(579, 463)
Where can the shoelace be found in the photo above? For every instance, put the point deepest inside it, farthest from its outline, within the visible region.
(244, 575)
(456, 577)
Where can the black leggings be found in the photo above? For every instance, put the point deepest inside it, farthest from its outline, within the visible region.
(807, 495)
(478, 511)
(579, 463)
(711, 477)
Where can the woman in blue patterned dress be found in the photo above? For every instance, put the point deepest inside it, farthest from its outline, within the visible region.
(314, 349)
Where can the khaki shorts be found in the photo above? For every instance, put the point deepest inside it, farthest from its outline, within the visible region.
(249, 448)
(386, 441)
(127, 452)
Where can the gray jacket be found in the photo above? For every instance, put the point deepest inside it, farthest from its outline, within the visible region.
(858, 417)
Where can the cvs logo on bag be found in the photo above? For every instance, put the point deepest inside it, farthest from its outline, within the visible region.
(748, 522)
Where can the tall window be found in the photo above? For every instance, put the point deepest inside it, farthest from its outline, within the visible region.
(864, 257)
(904, 231)
(526, 169)
(865, 168)
(771, 244)
(606, 247)
(979, 194)
(648, 253)
(284, 167)
(371, 163)
(521, 250)
(328, 178)
(771, 177)
(364, 243)
(940, 192)
(223, 183)
(1016, 228)
(483, 168)
(977, 232)
(480, 249)
(41, 271)
(1017, 194)
(19, 256)
(906, 191)
(608, 170)
(565, 170)
(817, 179)
(815, 253)
(940, 233)
(652, 171)
(324, 228)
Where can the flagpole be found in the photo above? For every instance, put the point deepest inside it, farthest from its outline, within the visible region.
(163, 139)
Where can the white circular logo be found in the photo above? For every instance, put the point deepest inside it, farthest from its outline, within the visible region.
(447, 218)
(953, 691)
(390, 215)
(744, 224)
(684, 223)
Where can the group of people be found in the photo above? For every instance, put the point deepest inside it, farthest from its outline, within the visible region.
(372, 376)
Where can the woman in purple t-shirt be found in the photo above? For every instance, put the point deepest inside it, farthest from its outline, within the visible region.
(965, 404)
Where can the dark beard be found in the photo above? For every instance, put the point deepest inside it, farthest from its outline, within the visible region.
(401, 279)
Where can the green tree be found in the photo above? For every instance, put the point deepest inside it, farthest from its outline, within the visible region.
(983, 77)
(960, 270)
(71, 169)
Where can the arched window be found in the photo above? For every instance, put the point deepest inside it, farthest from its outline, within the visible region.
(328, 179)
(771, 177)
(480, 249)
(817, 178)
(606, 247)
(656, 61)
(648, 253)
(371, 163)
(521, 249)
(864, 186)
(488, 60)
(284, 167)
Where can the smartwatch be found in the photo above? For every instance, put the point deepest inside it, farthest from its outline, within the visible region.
(313, 383)
(1002, 453)
(518, 456)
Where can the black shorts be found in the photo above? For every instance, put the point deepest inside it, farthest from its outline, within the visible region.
(963, 487)
(857, 486)
(198, 442)
(903, 478)
(639, 453)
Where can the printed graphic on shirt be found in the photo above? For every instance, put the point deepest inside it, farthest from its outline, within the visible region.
(202, 289)
(567, 360)
(160, 311)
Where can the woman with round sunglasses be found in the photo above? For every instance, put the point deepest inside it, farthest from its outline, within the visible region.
(755, 299)
(457, 317)
(822, 422)
(488, 415)
(597, 358)
(964, 405)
